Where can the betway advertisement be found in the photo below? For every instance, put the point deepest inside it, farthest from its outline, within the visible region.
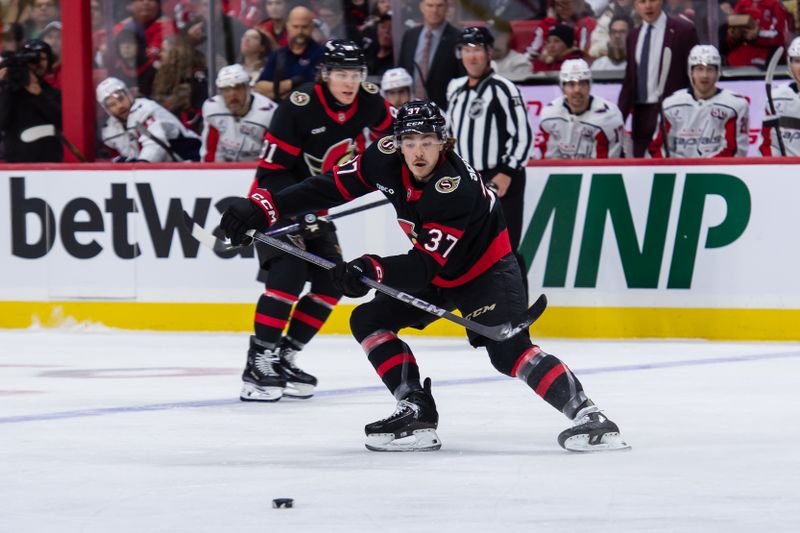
(710, 236)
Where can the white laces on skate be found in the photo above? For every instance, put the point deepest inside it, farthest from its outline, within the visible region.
(583, 417)
(263, 363)
(402, 405)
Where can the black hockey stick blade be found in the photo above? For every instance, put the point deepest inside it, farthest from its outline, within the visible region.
(533, 313)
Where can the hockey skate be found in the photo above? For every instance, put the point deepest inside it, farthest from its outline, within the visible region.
(591, 431)
(260, 380)
(299, 384)
(411, 428)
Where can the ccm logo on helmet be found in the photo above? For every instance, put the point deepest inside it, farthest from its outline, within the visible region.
(265, 202)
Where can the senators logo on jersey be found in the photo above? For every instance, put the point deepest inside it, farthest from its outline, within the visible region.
(337, 154)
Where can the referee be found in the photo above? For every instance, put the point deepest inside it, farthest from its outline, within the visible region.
(487, 117)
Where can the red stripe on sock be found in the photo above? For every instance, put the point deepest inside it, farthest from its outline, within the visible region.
(270, 321)
(526, 356)
(549, 378)
(308, 319)
(375, 340)
(399, 359)
(280, 294)
(330, 300)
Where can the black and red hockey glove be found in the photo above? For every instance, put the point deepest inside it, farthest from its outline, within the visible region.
(243, 214)
(346, 277)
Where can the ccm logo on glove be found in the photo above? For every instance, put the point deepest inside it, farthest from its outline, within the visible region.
(263, 199)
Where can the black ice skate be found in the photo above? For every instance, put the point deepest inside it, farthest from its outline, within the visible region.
(591, 431)
(411, 428)
(260, 380)
(299, 384)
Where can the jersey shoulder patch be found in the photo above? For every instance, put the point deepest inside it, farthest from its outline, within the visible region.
(386, 145)
(447, 184)
(299, 98)
(370, 87)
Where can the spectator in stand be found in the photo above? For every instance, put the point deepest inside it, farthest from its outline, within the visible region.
(428, 53)
(579, 125)
(681, 9)
(379, 8)
(378, 47)
(772, 20)
(228, 30)
(616, 57)
(52, 36)
(236, 120)
(396, 87)
(146, 21)
(99, 35)
(600, 35)
(787, 108)
(275, 25)
(577, 15)
(130, 63)
(506, 61)
(558, 48)
(30, 109)
(294, 64)
(645, 51)
(139, 129)
(505, 10)
(333, 20)
(43, 12)
(180, 84)
(704, 120)
(254, 47)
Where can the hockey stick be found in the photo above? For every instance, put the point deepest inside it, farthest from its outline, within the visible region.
(222, 245)
(773, 63)
(498, 333)
(666, 61)
(71, 147)
(141, 130)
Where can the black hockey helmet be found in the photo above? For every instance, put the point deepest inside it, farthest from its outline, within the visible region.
(419, 116)
(343, 54)
(475, 36)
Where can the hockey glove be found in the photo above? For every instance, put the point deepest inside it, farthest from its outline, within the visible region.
(243, 214)
(346, 277)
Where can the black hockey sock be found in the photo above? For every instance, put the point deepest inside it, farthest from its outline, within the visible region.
(272, 313)
(551, 379)
(393, 361)
(309, 315)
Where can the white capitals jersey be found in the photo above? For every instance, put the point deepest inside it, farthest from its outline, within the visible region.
(596, 133)
(230, 138)
(787, 107)
(147, 119)
(715, 127)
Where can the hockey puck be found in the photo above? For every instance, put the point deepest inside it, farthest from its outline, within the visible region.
(285, 503)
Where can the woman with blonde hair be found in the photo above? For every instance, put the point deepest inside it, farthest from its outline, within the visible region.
(180, 84)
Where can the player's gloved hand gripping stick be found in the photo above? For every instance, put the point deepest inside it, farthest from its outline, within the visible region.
(499, 332)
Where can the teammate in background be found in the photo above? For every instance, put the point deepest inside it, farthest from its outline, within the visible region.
(579, 125)
(236, 120)
(787, 106)
(318, 126)
(396, 86)
(704, 120)
(488, 119)
(460, 258)
(139, 129)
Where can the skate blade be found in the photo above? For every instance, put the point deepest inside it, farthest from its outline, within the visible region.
(300, 391)
(421, 440)
(608, 442)
(254, 393)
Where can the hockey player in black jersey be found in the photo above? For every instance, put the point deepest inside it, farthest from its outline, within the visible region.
(318, 126)
(460, 259)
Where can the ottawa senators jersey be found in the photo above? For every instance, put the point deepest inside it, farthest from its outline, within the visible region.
(455, 226)
(310, 133)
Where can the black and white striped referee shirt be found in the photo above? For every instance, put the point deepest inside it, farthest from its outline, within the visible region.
(490, 123)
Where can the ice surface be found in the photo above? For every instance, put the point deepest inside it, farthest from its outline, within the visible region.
(143, 432)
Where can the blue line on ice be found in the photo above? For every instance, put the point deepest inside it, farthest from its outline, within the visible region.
(380, 388)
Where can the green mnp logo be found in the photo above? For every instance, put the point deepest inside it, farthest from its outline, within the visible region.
(608, 199)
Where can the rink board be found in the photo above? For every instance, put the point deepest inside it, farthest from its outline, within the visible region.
(622, 250)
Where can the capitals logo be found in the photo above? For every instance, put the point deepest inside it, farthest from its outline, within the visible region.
(337, 154)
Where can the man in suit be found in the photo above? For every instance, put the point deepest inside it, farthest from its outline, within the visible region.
(645, 47)
(428, 52)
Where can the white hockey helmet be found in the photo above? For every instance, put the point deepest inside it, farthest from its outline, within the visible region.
(704, 54)
(574, 70)
(231, 76)
(396, 78)
(108, 87)
(794, 48)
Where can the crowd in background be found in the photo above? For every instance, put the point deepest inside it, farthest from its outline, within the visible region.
(158, 48)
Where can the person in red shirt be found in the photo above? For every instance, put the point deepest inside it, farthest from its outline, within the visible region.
(558, 47)
(146, 20)
(275, 25)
